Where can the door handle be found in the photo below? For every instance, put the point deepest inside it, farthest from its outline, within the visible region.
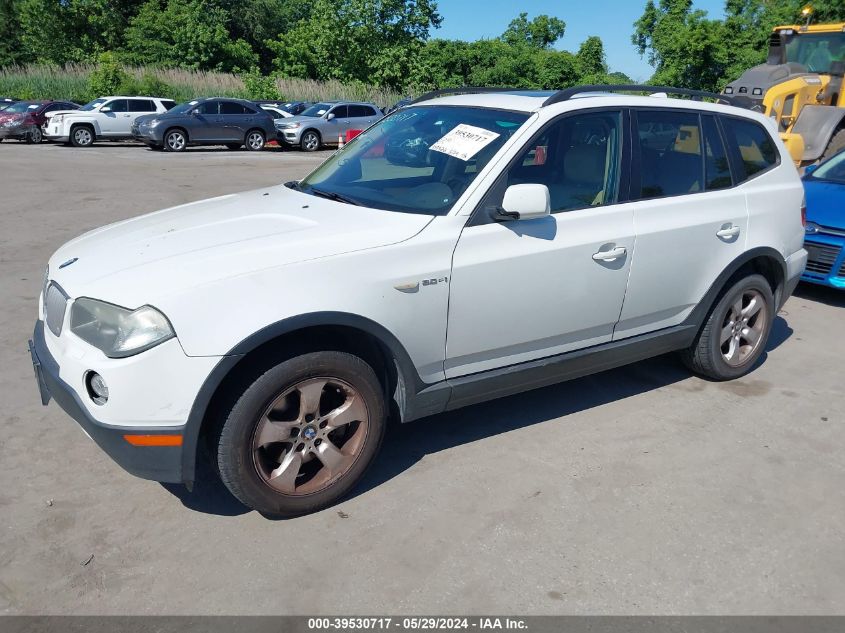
(728, 231)
(611, 255)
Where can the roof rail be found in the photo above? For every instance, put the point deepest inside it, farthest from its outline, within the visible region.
(697, 95)
(460, 91)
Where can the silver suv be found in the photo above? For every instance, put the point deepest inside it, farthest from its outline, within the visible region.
(326, 122)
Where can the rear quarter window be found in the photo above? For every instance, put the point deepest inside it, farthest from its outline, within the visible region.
(751, 144)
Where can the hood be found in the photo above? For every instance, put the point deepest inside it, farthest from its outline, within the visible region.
(14, 116)
(149, 117)
(140, 260)
(299, 118)
(50, 115)
(825, 203)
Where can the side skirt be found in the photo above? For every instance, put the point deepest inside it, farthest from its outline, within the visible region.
(506, 381)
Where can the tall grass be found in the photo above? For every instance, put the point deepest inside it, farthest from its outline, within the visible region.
(71, 82)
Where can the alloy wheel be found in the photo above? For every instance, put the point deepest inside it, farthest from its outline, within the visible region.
(310, 436)
(744, 328)
(175, 141)
(255, 141)
(82, 136)
(35, 135)
(311, 142)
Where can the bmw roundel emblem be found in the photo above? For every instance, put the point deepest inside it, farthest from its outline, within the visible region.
(68, 262)
(811, 228)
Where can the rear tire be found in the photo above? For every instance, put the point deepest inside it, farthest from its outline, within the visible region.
(35, 135)
(82, 136)
(302, 434)
(255, 140)
(837, 142)
(736, 331)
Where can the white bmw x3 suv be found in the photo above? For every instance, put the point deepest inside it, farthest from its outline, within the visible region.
(464, 248)
(105, 118)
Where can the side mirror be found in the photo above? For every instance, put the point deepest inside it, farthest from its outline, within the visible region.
(524, 202)
(329, 116)
(809, 169)
(105, 109)
(195, 112)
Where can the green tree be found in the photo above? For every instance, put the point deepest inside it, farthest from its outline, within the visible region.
(10, 52)
(373, 41)
(591, 62)
(541, 32)
(684, 46)
(186, 33)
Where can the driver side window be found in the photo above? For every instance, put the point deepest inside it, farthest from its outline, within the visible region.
(577, 158)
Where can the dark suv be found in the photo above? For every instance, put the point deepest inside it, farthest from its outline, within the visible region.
(212, 121)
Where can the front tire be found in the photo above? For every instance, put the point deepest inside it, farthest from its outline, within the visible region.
(82, 136)
(255, 140)
(302, 434)
(35, 136)
(736, 331)
(175, 141)
(310, 141)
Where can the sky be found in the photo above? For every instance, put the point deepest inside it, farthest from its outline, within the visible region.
(612, 20)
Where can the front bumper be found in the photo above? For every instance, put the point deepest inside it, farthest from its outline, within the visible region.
(289, 137)
(826, 265)
(18, 131)
(146, 134)
(159, 463)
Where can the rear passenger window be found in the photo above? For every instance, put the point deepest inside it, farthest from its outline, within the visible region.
(670, 157)
(752, 144)
(717, 173)
(227, 107)
(360, 111)
(141, 105)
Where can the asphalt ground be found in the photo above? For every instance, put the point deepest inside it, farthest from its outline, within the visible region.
(642, 490)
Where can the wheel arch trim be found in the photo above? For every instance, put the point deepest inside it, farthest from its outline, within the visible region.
(410, 381)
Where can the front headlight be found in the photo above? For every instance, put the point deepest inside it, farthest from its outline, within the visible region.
(290, 126)
(58, 118)
(150, 123)
(116, 331)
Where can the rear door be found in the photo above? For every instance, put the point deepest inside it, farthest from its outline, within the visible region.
(236, 118)
(361, 117)
(691, 220)
(135, 108)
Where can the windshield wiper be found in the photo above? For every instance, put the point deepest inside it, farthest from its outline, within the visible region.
(331, 195)
(293, 184)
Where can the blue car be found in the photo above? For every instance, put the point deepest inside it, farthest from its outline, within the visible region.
(824, 185)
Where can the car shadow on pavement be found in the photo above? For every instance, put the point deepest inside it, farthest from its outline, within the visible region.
(407, 444)
(821, 294)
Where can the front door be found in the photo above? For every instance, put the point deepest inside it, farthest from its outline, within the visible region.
(206, 123)
(112, 117)
(524, 290)
(338, 126)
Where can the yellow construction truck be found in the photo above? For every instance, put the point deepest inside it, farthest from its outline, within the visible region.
(801, 87)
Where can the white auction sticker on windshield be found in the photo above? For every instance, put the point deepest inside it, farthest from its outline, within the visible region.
(464, 141)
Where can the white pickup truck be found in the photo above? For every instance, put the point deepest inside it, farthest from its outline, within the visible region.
(106, 118)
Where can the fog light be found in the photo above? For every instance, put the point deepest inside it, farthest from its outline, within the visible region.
(757, 92)
(96, 386)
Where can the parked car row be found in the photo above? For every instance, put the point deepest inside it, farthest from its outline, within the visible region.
(162, 124)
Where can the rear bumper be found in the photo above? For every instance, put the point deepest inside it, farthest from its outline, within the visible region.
(159, 463)
(795, 265)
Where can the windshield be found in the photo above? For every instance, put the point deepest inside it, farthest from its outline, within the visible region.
(833, 170)
(21, 106)
(92, 104)
(417, 160)
(816, 51)
(318, 109)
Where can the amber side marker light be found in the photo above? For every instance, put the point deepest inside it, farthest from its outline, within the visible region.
(154, 440)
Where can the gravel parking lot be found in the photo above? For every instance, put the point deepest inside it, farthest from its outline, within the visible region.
(638, 491)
